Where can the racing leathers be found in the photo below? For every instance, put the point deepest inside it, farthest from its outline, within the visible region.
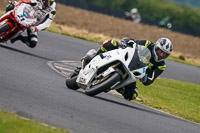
(154, 70)
(44, 17)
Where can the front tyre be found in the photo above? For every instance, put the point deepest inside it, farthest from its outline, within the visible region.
(103, 86)
(5, 27)
(71, 83)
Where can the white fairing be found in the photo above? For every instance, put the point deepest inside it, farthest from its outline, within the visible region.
(24, 15)
(124, 56)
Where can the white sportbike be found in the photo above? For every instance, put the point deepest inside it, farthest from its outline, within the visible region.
(111, 70)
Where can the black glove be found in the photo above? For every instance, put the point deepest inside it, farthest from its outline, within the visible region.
(124, 42)
(10, 7)
(144, 79)
(89, 56)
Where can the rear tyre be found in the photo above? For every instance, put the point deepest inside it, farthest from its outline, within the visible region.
(103, 86)
(71, 83)
(5, 27)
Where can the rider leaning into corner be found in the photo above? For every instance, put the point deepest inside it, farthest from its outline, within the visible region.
(159, 51)
(45, 14)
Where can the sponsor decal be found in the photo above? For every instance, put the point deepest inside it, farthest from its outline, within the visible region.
(26, 14)
(144, 70)
(82, 80)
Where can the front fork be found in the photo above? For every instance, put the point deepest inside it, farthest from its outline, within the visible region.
(8, 31)
(82, 64)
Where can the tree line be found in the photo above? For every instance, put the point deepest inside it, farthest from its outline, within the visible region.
(189, 2)
(184, 16)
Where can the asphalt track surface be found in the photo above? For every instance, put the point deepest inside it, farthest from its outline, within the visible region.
(29, 87)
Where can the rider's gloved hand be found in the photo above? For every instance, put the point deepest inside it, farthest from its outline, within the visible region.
(122, 44)
(10, 6)
(89, 56)
(144, 79)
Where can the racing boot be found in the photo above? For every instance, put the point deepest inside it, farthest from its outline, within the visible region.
(21, 38)
(10, 7)
(30, 42)
(129, 92)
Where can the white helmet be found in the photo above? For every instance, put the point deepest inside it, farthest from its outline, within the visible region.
(134, 10)
(162, 49)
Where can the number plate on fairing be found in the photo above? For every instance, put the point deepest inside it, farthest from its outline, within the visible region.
(24, 15)
(82, 80)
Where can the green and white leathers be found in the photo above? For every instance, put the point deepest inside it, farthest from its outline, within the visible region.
(157, 63)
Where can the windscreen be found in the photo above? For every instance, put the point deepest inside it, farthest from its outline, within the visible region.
(144, 54)
(140, 58)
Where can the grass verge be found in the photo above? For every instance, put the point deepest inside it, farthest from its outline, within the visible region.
(176, 97)
(10, 122)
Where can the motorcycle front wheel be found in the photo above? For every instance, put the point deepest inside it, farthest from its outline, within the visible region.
(104, 85)
(71, 83)
(5, 27)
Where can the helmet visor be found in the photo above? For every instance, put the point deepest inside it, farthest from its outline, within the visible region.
(161, 54)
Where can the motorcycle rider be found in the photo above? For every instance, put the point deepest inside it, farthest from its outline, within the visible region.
(45, 12)
(159, 51)
(133, 15)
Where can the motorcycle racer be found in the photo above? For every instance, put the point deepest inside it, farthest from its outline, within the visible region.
(133, 15)
(45, 12)
(159, 51)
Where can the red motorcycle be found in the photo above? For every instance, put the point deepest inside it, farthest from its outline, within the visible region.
(16, 21)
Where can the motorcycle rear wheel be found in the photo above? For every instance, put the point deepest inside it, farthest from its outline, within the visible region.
(5, 27)
(103, 86)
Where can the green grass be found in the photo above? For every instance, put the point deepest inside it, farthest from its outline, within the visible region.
(11, 123)
(176, 97)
